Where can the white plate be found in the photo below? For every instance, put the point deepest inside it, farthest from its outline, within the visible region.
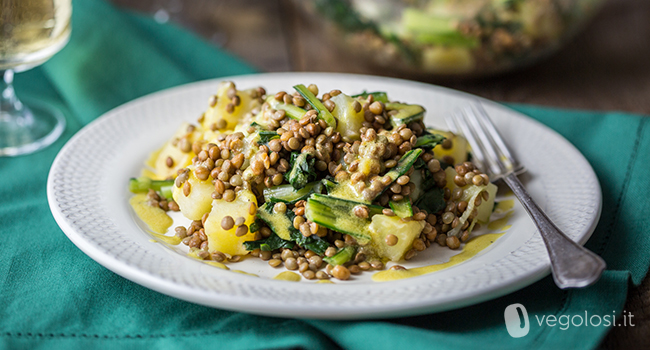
(87, 192)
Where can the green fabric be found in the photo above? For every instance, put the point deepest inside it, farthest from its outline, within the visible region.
(53, 296)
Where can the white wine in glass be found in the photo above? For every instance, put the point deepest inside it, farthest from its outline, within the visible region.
(31, 31)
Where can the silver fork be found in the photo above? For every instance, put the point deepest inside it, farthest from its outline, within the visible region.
(572, 265)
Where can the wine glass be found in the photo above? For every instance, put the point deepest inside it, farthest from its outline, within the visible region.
(31, 31)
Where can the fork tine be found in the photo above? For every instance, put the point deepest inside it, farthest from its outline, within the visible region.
(486, 142)
(495, 136)
(451, 123)
(460, 124)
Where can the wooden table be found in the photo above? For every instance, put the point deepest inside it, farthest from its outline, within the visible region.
(605, 67)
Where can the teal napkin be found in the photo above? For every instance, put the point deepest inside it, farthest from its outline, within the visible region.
(53, 296)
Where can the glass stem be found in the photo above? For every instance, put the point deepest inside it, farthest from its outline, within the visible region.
(10, 105)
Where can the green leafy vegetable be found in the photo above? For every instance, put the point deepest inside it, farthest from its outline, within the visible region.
(270, 243)
(256, 225)
(302, 171)
(266, 136)
(432, 198)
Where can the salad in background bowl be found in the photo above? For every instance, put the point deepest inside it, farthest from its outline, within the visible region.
(451, 38)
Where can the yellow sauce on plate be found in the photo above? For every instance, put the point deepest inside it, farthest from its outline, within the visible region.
(504, 206)
(245, 273)
(156, 218)
(288, 276)
(502, 223)
(216, 264)
(173, 240)
(473, 247)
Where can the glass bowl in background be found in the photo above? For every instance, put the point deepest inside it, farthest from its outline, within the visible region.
(450, 38)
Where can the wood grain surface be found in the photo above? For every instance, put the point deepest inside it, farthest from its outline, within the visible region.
(605, 67)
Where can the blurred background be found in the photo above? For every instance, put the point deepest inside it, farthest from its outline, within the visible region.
(586, 54)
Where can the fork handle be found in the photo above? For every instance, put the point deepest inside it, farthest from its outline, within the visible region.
(572, 265)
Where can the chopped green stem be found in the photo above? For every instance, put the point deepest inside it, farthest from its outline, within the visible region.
(293, 111)
(166, 191)
(377, 96)
(143, 184)
(402, 208)
(329, 184)
(429, 141)
(288, 194)
(405, 163)
(337, 214)
(323, 112)
(405, 113)
(346, 204)
(341, 257)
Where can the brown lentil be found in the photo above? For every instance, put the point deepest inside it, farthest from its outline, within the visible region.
(442, 239)
(229, 195)
(377, 265)
(280, 207)
(330, 251)
(241, 230)
(313, 88)
(453, 242)
(309, 274)
(361, 211)
(173, 206)
(265, 255)
(376, 107)
(364, 266)
(341, 272)
(410, 254)
(187, 188)
(420, 216)
(403, 180)
(291, 264)
(419, 245)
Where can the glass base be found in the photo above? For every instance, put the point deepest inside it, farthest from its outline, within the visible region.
(28, 132)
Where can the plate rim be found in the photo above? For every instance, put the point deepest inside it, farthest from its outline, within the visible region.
(142, 277)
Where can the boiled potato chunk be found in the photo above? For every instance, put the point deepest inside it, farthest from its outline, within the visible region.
(406, 232)
(226, 241)
(219, 110)
(199, 200)
(171, 149)
(458, 149)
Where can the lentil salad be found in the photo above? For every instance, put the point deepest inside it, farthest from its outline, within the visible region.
(328, 186)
